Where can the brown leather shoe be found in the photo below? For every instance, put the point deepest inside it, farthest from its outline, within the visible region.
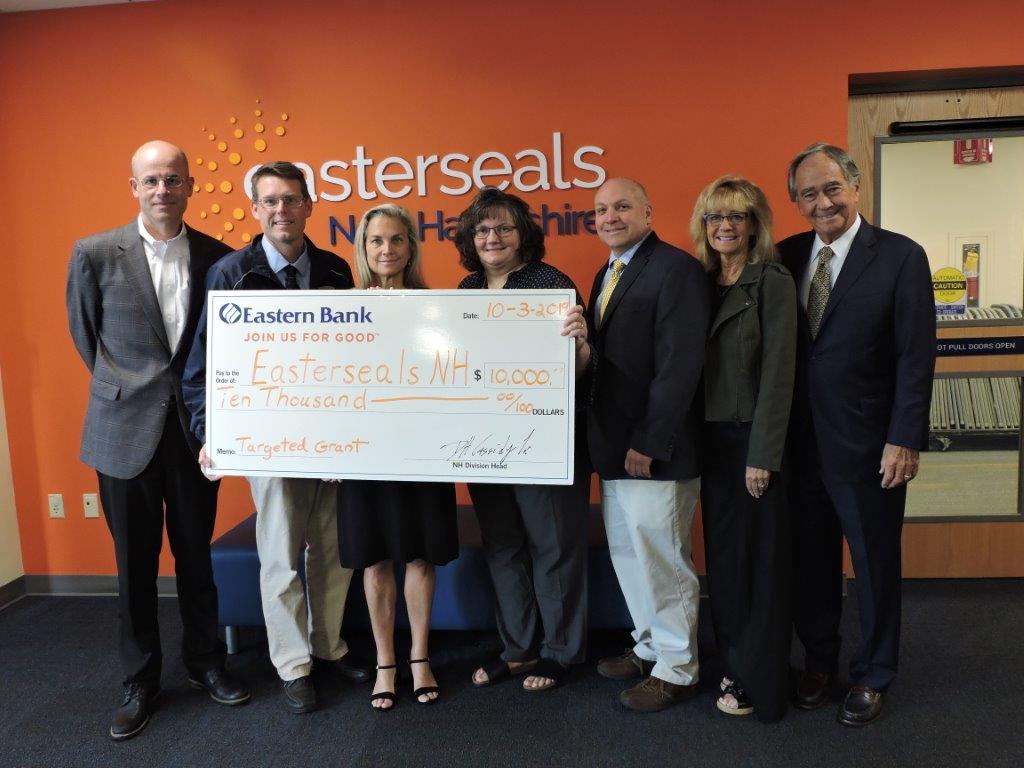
(811, 690)
(653, 694)
(861, 706)
(628, 666)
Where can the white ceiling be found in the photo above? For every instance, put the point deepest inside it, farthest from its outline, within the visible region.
(10, 6)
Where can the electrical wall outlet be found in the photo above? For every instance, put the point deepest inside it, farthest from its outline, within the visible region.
(56, 502)
(90, 505)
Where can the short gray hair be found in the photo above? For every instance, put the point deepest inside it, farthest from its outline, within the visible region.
(839, 156)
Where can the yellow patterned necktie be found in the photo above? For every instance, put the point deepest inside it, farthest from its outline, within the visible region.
(821, 288)
(609, 288)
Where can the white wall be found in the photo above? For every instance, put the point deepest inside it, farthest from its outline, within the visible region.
(942, 205)
(10, 542)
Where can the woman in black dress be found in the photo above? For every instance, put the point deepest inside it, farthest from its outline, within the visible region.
(381, 522)
(748, 379)
(534, 536)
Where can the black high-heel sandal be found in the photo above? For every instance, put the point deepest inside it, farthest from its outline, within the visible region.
(424, 689)
(385, 695)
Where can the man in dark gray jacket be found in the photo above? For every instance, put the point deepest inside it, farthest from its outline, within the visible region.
(134, 295)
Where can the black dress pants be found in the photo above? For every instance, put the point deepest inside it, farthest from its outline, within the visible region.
(135, 513)
(748, 543)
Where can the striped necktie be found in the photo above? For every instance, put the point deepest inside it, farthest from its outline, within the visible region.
(609, 288)
(291, 277)
(821, 288)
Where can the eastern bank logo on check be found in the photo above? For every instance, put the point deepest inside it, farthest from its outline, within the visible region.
(232, 313)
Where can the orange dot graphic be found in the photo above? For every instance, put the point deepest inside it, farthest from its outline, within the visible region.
(208, 186)
(199, 160)
(246, 237)
(259, 128)
(284, 115)
(258, 112)
(215, 207)
(260, 145)
(232, 119)
(219, 236)
(212, 136)
(203, 215)
(234, 158)
(203, 129)
(228, 226)
(279, 130)
(238, 213)
(222, 146)
(212, 165)
(225, 187)
(195, 187)
(239, 133)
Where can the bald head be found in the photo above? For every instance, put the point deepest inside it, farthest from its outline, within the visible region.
(162, 151)
(630, 185)
(162, 185)
(622, 214)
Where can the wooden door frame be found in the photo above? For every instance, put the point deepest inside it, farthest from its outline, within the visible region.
(938, 549)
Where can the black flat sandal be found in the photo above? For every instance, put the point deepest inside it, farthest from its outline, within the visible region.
(497, 669)
(550, 669)
(743, 704)
(385, 695)
(424, 689)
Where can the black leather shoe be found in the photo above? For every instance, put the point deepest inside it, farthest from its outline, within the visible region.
(133, 714)
(345, 668)
(811, 690)
(861, 706)
(222, 687)
(299, 695)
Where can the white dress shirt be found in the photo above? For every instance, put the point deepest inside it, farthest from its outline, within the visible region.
(168, 266)
(840, 248)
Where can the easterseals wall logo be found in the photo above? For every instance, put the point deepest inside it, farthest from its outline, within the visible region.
(230, 313)
(221, 201)
(366, 177)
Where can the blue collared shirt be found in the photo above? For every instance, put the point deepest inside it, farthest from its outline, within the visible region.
(278, 263)
(625, 258)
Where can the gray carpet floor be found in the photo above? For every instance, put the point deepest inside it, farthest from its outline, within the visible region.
(956, 702)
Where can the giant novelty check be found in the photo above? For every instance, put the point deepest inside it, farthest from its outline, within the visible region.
(391, 385)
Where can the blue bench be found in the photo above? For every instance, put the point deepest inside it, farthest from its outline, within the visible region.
(463, 599)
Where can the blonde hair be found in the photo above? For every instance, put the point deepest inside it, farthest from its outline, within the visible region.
(737, 194)
(411, 277)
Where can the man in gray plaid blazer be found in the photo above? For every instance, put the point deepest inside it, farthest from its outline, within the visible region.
(134, 295)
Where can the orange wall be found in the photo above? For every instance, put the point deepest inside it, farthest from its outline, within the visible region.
(676, 94)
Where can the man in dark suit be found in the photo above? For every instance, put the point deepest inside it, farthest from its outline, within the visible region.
(295, 517)
(866, 355)
(650, 308)
(134, 295)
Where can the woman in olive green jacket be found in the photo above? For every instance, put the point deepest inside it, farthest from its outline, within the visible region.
(748, 379)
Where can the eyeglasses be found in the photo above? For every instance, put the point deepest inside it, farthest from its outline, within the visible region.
(502, 230)
(152, 182)
(714, 219)
(270, 203)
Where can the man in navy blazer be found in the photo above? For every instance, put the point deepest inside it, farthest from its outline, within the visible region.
(650, 309)
(866, 357)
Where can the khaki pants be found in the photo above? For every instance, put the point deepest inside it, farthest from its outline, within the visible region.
(648, 523)
(298, 517)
